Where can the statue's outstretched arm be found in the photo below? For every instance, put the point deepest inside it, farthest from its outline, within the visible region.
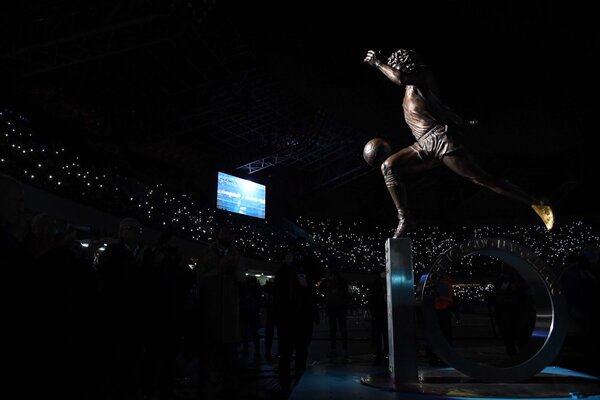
(393, 74)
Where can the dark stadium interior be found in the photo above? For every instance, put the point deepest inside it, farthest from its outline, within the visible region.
(179, 90)
(130, 108)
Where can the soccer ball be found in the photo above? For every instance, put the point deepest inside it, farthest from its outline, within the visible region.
(376, 151)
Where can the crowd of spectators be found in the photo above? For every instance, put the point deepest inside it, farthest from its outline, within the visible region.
(352, 247)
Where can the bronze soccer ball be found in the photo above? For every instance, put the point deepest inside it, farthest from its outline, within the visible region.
(376, 151)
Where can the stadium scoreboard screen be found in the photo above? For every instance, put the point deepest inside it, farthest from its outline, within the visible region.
(241, 196)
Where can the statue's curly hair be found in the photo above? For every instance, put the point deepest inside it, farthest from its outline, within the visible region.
(406, 60)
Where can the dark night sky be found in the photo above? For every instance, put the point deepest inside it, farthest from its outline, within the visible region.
(526, 73)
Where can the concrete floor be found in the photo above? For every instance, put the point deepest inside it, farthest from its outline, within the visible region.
(340, 378)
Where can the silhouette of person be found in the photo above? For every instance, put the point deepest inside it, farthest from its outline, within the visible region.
(581, 285)
(590, 287)
(120, 305)
(67, 303)
(14, 225)
(378, 308)
(219, 277)
(445, 307)
(336, 290)
(166, 282)
(436, 129)
(22, 285)
(269, 297)
(570, 281)
(250, 296)
(514, 312)
(296, 310)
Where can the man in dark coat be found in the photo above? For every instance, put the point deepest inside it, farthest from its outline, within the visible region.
(296, 310)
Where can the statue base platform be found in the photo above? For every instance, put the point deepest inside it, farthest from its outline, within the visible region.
(353, 381)
(552, 382)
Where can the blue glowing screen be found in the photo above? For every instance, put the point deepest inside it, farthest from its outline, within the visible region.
(241, 196)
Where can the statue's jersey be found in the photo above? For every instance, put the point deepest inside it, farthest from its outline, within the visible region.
(419, 111)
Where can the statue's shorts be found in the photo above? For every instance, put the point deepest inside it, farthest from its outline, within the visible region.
(435, 144)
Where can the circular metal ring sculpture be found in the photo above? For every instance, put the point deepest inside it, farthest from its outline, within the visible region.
(551, 319)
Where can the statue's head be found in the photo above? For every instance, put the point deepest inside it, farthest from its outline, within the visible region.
(406, 60)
